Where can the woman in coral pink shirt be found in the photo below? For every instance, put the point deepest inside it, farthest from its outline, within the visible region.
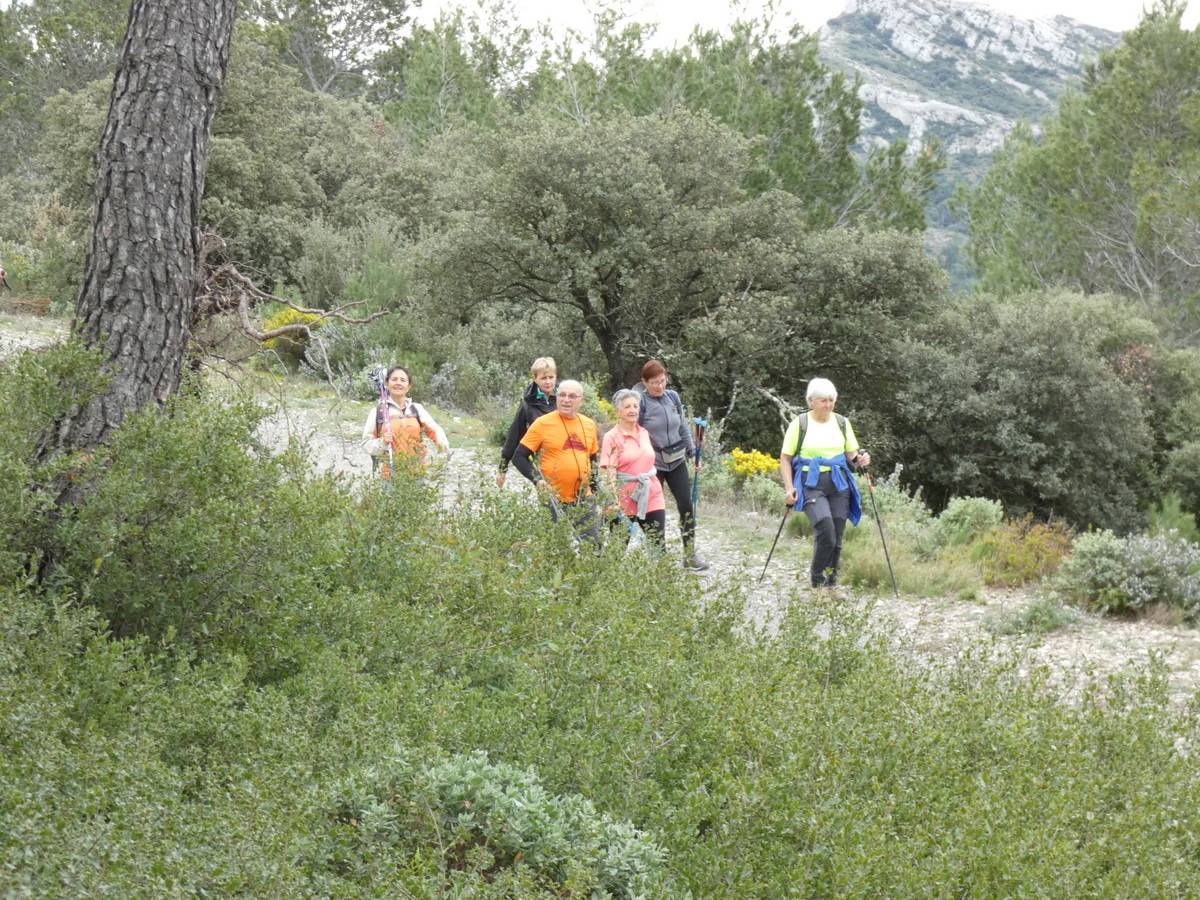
(627, 460)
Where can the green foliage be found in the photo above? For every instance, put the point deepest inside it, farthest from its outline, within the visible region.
(186, 502)
(1132, 574)
(1168, 515)
(1018, 400)
(491, 818)
(842, 304)
(1039, 616)
(291, 346)
(339, 626)
(1105, 199)
(1022, 551)
(333, 45)
(48, 46)
(1183, 476)
(634, 223)
(764, 80)
(36, 390)
(283, 157)
(966, 518)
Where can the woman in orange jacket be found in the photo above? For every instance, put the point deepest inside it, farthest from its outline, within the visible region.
(400, 424)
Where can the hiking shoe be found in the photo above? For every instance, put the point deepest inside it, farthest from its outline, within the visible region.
(694, 562)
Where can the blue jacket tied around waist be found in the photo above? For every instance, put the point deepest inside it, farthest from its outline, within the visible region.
(839, 471)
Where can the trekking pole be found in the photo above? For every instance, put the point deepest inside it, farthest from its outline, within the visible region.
(700, 426)
(882, 539)
(787, 509)
(387, 428)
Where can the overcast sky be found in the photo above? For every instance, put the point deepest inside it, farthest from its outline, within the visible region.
(677, 17)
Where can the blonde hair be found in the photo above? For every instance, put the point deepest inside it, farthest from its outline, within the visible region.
(542, 364)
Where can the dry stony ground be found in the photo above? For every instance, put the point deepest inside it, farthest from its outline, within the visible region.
(929, 629)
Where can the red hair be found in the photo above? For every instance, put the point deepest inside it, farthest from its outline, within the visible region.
(652, 369)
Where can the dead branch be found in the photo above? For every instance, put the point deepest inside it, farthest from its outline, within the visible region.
(226, 290)
(787, 411)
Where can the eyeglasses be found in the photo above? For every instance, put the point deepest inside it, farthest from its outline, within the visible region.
(562, 396)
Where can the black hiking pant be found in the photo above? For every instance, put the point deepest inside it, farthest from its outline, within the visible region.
(676, 480)
(827, 509)
(654, 526)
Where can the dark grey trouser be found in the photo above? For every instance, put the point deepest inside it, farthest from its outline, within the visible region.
(827, 508)
(583, 516)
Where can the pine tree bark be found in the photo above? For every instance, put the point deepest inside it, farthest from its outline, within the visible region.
(140, 273)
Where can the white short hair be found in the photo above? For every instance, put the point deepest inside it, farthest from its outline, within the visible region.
(820, 387)
(624, 394)
(570, 383)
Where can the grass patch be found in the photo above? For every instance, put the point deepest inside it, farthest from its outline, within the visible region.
(1039, 616)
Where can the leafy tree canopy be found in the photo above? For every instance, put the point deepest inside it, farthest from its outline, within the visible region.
(1106, 199)
(1029, 401)
(636, 224)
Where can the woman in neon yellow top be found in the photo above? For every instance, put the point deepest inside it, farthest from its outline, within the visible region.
(824, 446)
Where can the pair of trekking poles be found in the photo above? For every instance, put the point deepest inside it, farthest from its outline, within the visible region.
(878, 521)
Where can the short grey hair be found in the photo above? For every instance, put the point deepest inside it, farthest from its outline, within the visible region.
(820, 387)
(570, 383)
(622, 395)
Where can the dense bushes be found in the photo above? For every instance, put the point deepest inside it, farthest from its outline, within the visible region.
(1020, 401)
(1133, 573)
(251, 749)
(498, 825)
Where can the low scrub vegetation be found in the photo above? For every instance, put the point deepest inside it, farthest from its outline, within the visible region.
(309, 691)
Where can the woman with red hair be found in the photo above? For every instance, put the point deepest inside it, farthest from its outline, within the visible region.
(663, 416)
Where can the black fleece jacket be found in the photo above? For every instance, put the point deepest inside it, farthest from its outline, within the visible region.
(533, 404)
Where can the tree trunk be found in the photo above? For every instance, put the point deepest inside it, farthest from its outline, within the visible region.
(140, 274)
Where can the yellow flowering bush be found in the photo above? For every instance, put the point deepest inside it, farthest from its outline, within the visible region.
(606, 410)
(289, 346)
(745, 464)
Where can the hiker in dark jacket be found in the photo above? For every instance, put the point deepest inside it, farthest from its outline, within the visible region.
(662, 415)
(537, 400)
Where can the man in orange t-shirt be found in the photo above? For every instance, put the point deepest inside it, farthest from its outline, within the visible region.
(566, 447)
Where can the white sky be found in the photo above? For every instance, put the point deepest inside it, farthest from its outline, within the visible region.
(677, 17)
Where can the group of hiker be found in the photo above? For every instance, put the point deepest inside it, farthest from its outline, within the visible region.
(560, 451)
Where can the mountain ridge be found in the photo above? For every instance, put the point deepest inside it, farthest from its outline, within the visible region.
(960, 73)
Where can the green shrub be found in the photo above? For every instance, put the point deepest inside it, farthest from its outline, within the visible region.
(1183, 475)
(1132, 574)
(317, 627)
(966, 518)
(289, 347)
(763, 493)
(1022, 551)
(1168, 515)
(486, 818)
(188, 528)
(1039, 616)
(37, 388)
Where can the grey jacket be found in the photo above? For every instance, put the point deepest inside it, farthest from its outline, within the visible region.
(667, 422)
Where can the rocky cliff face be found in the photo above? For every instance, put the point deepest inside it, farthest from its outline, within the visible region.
(962, 72)
(958, 72)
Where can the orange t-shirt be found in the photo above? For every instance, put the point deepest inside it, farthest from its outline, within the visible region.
(565, 447)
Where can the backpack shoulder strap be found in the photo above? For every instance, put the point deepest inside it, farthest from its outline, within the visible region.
(678, 403)
(841, 420)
